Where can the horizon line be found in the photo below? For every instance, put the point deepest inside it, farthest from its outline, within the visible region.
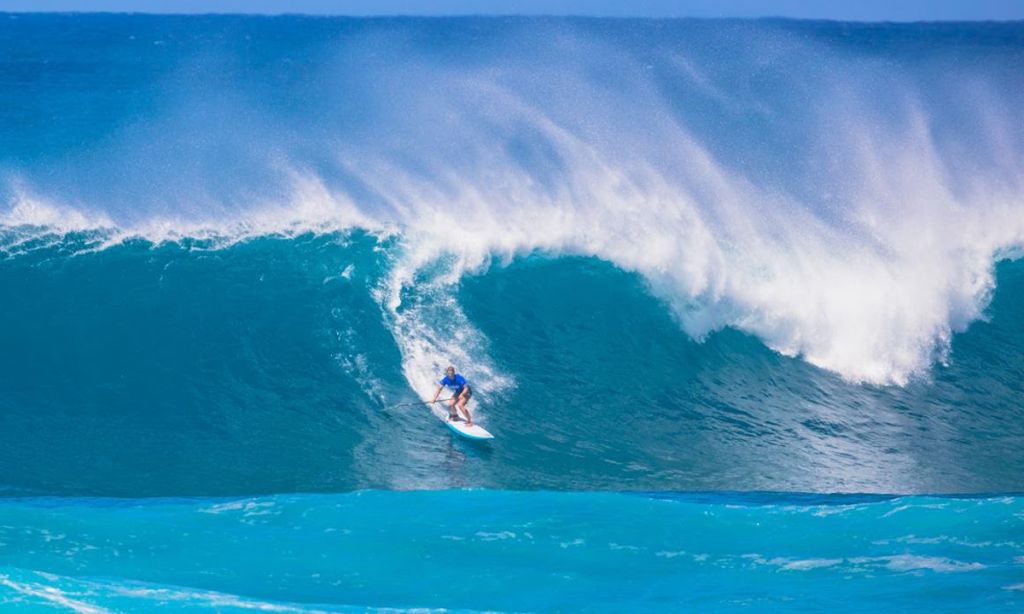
(868, 11)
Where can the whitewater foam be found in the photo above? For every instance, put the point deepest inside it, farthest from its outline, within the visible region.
(875, 248)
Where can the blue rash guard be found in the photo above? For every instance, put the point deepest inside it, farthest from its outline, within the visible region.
(455, 385)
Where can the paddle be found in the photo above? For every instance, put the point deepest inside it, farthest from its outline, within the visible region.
(416, 403)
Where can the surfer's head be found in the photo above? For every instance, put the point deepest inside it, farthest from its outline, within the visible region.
(450, 370)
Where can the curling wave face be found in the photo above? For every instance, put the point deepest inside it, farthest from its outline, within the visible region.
(271, 365)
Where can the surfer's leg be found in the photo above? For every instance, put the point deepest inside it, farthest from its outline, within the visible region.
(465, 410)
(453, 413)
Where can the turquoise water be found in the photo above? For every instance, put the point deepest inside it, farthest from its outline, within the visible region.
(516, 551)
(684, 264)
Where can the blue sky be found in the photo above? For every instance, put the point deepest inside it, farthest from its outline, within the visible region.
(863, 10)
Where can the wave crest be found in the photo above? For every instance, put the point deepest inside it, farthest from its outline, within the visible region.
(831, 213)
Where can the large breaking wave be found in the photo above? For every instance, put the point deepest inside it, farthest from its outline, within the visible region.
(227, 216)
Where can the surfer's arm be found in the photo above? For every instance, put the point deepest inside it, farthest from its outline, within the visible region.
(437, 393)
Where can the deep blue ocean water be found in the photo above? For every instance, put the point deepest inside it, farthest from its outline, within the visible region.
(700, 274)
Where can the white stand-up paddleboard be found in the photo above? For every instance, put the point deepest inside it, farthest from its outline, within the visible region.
(475, 432)
(469, 432)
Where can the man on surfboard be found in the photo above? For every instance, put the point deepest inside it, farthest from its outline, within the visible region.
(460, 395)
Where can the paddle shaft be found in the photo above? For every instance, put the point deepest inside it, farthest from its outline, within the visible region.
(418, 403)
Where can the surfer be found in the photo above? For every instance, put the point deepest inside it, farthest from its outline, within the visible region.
(460, 395)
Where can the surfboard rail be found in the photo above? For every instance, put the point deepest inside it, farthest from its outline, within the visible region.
(475, 432)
